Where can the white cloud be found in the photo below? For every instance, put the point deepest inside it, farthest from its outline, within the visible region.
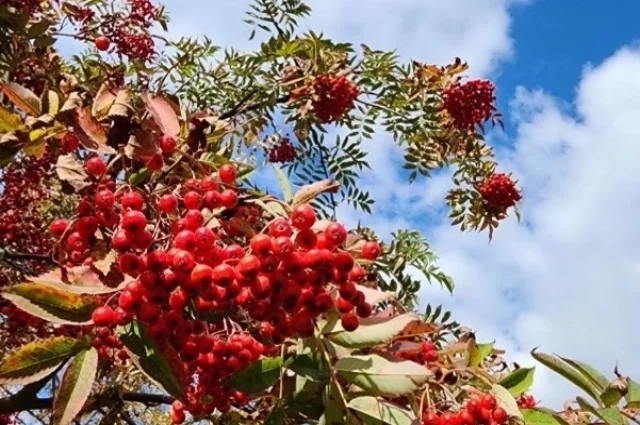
(565, 279)
(427, 30)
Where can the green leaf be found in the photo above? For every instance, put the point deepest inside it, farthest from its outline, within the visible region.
(310, 192)
(149, 359)
(479, 352)
(23, 98)
(633, 394)
(75, 387)
(380, 376)
(257, 377)
(38, 28)
(598, 379)
(140, 177)
(506, 400)
(518, 381)
(609, 415)
(542, 417)
(611, 395)
(9, 121)
(563, 368)
(71, 170)
(283, 180)
(375, 411)
(306, 366)
(38, 359)
(374, 331)
(52, 304)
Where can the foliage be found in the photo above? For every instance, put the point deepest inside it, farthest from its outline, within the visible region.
(173, 270)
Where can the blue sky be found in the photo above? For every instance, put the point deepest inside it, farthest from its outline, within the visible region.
(567, 278)
(567, 71)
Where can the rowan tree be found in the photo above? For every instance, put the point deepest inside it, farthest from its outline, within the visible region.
(149, 275)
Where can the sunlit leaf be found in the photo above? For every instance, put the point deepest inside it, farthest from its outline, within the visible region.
(374, 331)
(375, 411)
(258, 376)
(75, 387)
(22, 97)
(518, 381)
(163, 113)
(38, 359)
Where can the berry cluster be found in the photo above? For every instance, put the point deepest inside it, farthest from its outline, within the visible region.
(21, 219)
(128, 33)
(36, 70)
(282, 152)
(427, 353)
(29, 6)
(478, 411)
(499, 192)
(270, 279)
(526, 401)
(469, 104)
(332, 97)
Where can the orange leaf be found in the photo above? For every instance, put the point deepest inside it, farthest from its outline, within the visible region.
(163, 113)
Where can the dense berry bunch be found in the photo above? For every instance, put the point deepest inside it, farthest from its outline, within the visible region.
(34, 71)
(333, 97)
(22, 226)
(478, 411)
(7, 420)
(526, 401)
(470, 104)
(283, 152)
(425, 353)
(128, 34)
(499, 192)
(30, 6)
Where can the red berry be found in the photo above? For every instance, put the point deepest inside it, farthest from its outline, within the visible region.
(58, 227)
(121, 240)
(499, 415)
(193, 219)
(348, 291)
(168, 204)
(261, 244)
(183, 261)
(129, 264)
(212, 199)
(343, 305)
(431, 418)
(185, 240)
(431, 356)
(96, 166)
(178, 300)
(201, 275)
(488, 402)
(191, 200)
(229, 198)
(371, 250)
(223, 275)
(70, 142)
(132, 201)
(364, 310)
(155, 163)
(102, 316)
(336, 233)
(168, 144)
(133, 221)
(105, 199)
(204, 237)
(350, 322)
(282, 246)
(357, 274)
(280, 227)
(209, 183)
(102, 43)
(469, 104)
(303, 217)
(228, 173)
(334, 96)
(249, 266)
(499, 192)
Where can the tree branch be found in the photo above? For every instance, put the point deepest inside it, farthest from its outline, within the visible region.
(252, 107)
(28, 400)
